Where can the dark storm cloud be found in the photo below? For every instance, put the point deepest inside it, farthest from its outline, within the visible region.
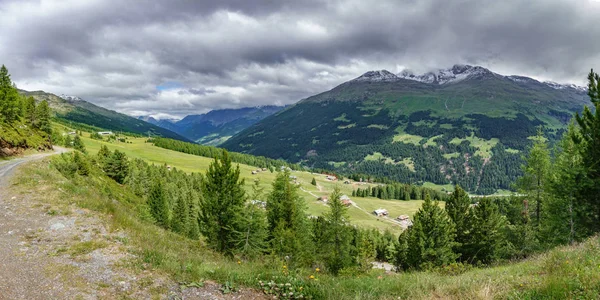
(222, 54)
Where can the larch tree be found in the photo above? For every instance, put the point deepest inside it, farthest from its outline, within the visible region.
(289, 229)
(535, 174)
(337, 237)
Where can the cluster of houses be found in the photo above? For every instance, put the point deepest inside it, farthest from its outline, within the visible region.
(258, 171)
(346, 201)
(331, 178)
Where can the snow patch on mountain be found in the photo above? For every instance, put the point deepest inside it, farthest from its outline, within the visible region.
(377, 76)
(445, 76)
(558, 86)
(70, 98)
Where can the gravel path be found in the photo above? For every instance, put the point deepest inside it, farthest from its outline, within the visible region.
(65, 252)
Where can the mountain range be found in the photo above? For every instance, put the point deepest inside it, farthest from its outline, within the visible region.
(465, 125)
(75, 109)
(216, 126)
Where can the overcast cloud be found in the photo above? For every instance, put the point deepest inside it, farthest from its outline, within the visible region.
(173, 58)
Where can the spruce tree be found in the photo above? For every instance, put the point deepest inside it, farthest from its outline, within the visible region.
(313, 182)
(336, 243)
(222, 205)
(430, 240)
(458, 209)
(181, 214)
(116, 166)
(535, 171)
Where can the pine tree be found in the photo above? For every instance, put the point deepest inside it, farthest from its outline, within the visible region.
(68, 141)
(458, 210)
(290, 232)
(221, 205)
(535, 170)
(78, 144)
(336, 243)
(313, 182)
(42, 117)
(429, 241)
(157, 201)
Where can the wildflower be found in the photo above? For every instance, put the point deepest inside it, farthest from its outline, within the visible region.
(317, 269)
(239, 262)
(379, 277)
(301, 288)
(312, 277)
(285, 267)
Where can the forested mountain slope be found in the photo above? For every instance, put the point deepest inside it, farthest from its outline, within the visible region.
(80, 111)
(465, 125)
(216, 126)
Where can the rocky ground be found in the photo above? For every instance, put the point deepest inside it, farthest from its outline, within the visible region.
(65, 252)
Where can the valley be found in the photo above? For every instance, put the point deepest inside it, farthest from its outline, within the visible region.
(361, 214)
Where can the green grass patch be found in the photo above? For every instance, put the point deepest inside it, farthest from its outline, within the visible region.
(451, 155)
(378, 126)
(342, 118)
(347, 126)
(403, 137)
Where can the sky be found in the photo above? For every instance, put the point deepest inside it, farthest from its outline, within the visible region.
(172, 58)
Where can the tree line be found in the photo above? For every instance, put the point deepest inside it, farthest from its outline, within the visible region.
(16, 109)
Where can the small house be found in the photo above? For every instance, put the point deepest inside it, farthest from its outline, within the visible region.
(169, 167)
(259, 203)
(346, 202)
(381, 212)
(324, 199)
(331, 178)
(264, 169)
(344, 197)
(254, 172)
(105, 133)
(346, 181)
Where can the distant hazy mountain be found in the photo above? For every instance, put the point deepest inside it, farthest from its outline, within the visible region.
(465, 125)
(75, 109)
(216, 126)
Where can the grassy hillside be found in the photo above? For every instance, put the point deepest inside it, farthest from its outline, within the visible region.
(18, 137)
(80, 111)
(361, 215)
(470, 132)
(566, 272)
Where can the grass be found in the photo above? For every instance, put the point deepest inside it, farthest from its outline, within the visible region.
(138, 148)
(565, 272)
(403, 137)
(484, 147)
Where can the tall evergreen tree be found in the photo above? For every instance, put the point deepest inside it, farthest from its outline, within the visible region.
(290, 232)
(458, 209)
(429, 242)
(535, 171)
(157, 201)
(336, 243)
(253, 240)
(116, 166)
(10, 105)
(42, 117)
(588, 141)
(29, 110)
(222, 204)
(563, 208)
(487, 236)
